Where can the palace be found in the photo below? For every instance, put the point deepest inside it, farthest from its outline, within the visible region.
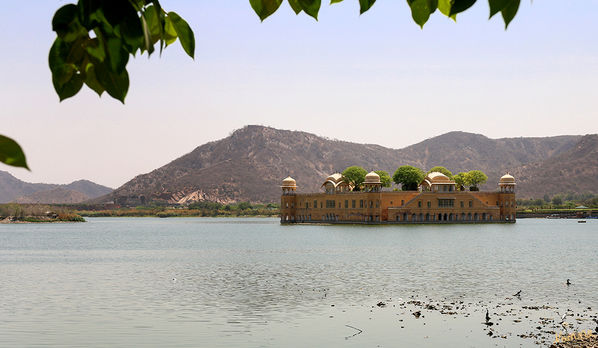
(437, 200)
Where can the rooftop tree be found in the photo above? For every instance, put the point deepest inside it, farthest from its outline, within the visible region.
(461, 181)
(384, 177)
(354, 176)
(475, 178)
(408, 177)
(441, 170)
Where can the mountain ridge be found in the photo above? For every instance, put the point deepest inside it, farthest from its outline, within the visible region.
(249, 164)
(15, 190)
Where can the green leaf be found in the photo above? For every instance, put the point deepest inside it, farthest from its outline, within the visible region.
(497, 5)
(444, 6)
(160, 18)
(509, 12)
(87, 12)
(11, 153)
(65, 78)
(117, 85)
(311, 7)
(131, 29)
(63, 18)
(95, 49)
(62, 74)
(296, 6)
(264, 8)
(421, 10)
(154, 26)
(57, 55)
(117, 55)
(184, 32)
(70, 87)
(365, 5)
(169, 34)
(66, 24)
(459, 6)
(92, 81)
(147, 37)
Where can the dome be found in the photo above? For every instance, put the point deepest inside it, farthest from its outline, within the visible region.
(507, 179)
(372, 178)
(289, 182)
(437, 176)
(335, 178)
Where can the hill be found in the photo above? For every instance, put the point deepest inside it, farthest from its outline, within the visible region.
(250, 163)
(11, 187)
(575, 170)
(57, 195)
(15, 190)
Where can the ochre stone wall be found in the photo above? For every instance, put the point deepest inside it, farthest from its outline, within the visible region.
(399, 207)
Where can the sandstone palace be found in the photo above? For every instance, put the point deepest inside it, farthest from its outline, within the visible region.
(437, 200)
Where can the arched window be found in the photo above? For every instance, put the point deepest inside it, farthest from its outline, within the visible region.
(475, 216)
(413, 217)
(439, 217)
(469, 216)
(427, 216)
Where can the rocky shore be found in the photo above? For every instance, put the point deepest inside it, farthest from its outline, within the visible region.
(545, 325)
(579, 340)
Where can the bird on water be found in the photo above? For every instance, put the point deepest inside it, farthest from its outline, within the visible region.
(518, 294)
(568, 282)
(488, 322)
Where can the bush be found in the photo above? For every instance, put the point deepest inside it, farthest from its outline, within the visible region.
(70, 217)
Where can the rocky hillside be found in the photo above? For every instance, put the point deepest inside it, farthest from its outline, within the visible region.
(249, 164)
(575, 170)
(15, 190)
(57, 195)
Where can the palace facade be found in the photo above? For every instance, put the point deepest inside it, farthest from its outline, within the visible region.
(436, 201)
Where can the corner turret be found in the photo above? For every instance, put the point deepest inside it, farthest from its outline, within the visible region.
(507, 202)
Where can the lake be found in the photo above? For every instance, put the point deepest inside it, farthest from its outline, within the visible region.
(251, 282)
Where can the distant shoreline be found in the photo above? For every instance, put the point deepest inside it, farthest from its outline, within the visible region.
(36, 220)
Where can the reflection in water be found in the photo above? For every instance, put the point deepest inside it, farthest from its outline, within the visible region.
(239, 282)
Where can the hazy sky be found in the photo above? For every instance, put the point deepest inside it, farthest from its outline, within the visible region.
(375, 78)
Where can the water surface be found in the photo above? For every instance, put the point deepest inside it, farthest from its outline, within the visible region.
(217, 282)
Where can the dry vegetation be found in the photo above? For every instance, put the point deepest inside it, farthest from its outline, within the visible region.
(15, 213)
